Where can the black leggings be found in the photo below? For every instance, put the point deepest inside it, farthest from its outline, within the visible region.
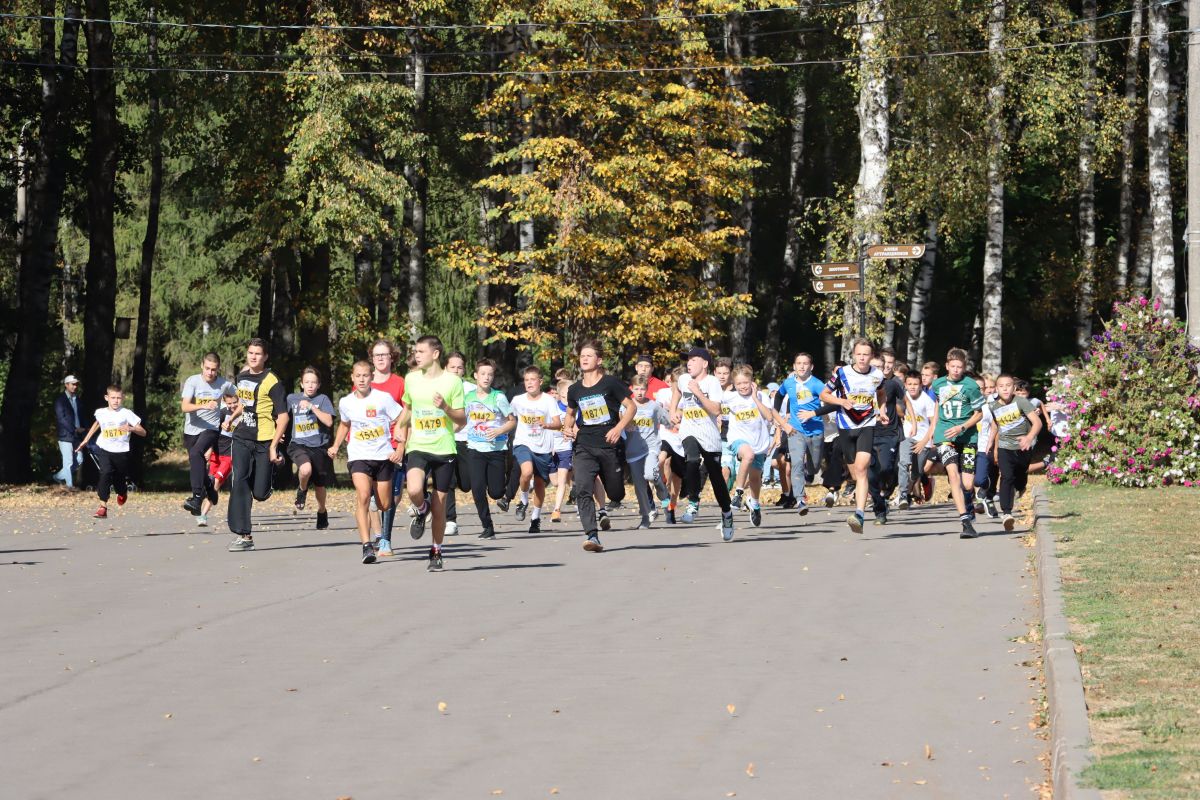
(1014, 475)
(197, 445)
(486, 480)
(114, 474)
(250, 481)
(693, 480)
(592, 461)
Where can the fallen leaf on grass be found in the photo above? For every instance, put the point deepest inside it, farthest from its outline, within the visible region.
(750, 769)
(731, 708)
(929, 752)
(167, 716)
(920, 783)
(442, 707)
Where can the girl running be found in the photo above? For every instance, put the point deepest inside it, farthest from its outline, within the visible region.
(489, 421)
(749, 439)
(642, 448)
(312, 419)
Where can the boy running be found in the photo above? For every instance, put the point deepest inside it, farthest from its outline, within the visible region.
(433, 405)
(114, 425)
(489, 421)
(533, 444)
(369, 416)
(921, 411)
(383, 361)
(598, 412)
(801, 391)
(642, 448)
(695, 407)
(220, 457)
(561, 460)
(201, 418)
(255, 442)
(858, 392)
(960, 403)
(671, 463)
(312, 417)
(1017, 425)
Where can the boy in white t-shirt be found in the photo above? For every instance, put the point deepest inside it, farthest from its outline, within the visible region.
(114, 424)
(749, 439)
(537, 416)
(917, 420)
(671, 464)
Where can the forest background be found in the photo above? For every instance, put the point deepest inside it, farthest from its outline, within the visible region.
(513, 176)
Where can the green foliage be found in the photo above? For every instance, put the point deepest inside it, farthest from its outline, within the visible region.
(1134, 404)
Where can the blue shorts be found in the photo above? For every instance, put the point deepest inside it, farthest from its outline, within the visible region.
(760, 459)
(728, 459)
(562, 459)
(540, 461)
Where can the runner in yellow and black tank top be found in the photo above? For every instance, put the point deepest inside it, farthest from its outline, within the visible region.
(262, 397)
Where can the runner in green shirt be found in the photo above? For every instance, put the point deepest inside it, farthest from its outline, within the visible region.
(433, 406)
(960, 407)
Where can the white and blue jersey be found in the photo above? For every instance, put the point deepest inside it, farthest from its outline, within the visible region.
(862, 390)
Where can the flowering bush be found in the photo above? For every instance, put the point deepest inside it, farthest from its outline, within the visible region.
(1133, 404)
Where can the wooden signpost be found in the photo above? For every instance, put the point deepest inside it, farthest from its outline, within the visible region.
(836, 285)
(843, 277)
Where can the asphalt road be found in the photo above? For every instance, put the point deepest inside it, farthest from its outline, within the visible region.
(800, 660)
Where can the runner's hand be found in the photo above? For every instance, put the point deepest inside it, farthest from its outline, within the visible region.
(397, 456)
(883, 417)
(305, 405)
(676, 418)
(332, 453)
(211, 405)
(952, 433)
(613, 436)
(273, 454)
(438, 400)
(804, 416)
(124, 427)
(1026, 442)
(788, 427)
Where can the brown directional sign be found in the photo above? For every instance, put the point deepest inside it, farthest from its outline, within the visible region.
(836, 285)
(836, 270)
(882, 251)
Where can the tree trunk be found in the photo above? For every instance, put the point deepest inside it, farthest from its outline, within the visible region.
(1162, 263)
(266, 297)
(874, 135)
(99, 310)
(43, 181)
(830, 351)
(149, 241)
(387, 266)
(418, 180)
(364, 278)
(283, 305)
(313, 312)
(1128, 129)
(737, 81)
(992, 336)
(1143, 256)
(918, 309)
(1087, 184)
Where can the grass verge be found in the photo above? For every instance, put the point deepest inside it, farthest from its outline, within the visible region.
(1131, 575)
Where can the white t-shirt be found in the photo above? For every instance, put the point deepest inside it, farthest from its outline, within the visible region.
(915, 428)
(371, 419)
(697, 422)
(746, 422)
(532, 417)
(110, 437)
(196, 390)
(668, 433)
(986, 426)
(460, 435)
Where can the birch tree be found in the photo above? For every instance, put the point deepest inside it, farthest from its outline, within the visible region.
(993, 257)
(1087, 181)
(1162, 263)
(1128, 130)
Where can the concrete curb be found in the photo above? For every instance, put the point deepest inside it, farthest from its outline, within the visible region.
(1070, 737)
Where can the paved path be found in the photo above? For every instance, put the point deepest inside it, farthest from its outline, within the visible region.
(143, 660)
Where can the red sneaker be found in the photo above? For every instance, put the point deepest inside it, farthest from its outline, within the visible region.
(120, 499)
(101, 513)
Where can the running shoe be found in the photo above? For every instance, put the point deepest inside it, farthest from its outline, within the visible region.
(416, 525)
(487, 533)
(556, 516)
(848, 492)
(451, 527)
(756, 517)
(990, 509)
(739, 499)
(571, 497)
(605, 522)
(790, 502)
(802, 508)
(727, 526)
(519, 512)
(830, 499)
(241, 543)
(368, 554)
(535, 525)
(502, 504)
(782, 499)
(101, 513)
(301, 496)
(855, 521)
(904, 503)
(880, 518)
(652, 516)
(192, 506)
(435, 560)
(968, 530)
(670, 516)
(592, 544)
(122, 498)
(643, 525)
(322, 520)
(383, 547)
(1009, 522)
(689, 516)
(980, 505)
(202, 521)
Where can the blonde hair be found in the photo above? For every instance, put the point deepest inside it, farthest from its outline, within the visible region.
(744, 369)
(639, 380)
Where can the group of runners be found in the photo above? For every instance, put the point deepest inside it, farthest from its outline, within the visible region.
(434, 431)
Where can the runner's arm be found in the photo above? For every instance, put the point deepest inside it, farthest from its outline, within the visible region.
(509, 426)
(324, 417)
(91, 431)
(673, 411)
(1035, 428)
(338, 436)
(832, 402)
(138, 429)
(709, 405)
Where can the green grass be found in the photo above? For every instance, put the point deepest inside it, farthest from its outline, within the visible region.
(1131, 575)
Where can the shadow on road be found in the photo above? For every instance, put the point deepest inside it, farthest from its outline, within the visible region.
(33, 550)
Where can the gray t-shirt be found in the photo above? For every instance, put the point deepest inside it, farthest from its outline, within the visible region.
(306, 428)
(641, 437)
(1011, 421)
(197, 390)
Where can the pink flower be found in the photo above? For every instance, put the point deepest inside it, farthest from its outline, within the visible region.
(1142, 301)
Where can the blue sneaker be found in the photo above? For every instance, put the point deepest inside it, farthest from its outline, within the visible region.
(689, 516)
(383, 547)
(727, 526)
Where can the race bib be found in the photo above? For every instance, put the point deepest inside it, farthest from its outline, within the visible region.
(534, 421)
(803, 396)
(645, 422)
(594, 410)
(1008, 417)
(695, 413)
(428, 420)
(862, 400)
(746, 415)
(369, 434)
(306, 427)
(113, 433)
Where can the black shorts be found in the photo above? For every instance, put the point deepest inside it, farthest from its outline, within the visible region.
(322, 464)
(437, 467)
(677, 461)
(379, 471)
(961, 455)
(856, 440)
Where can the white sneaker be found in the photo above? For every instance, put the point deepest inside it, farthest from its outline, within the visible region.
(451, 528)
(830, 499)
(201, 521)
(653, 515)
